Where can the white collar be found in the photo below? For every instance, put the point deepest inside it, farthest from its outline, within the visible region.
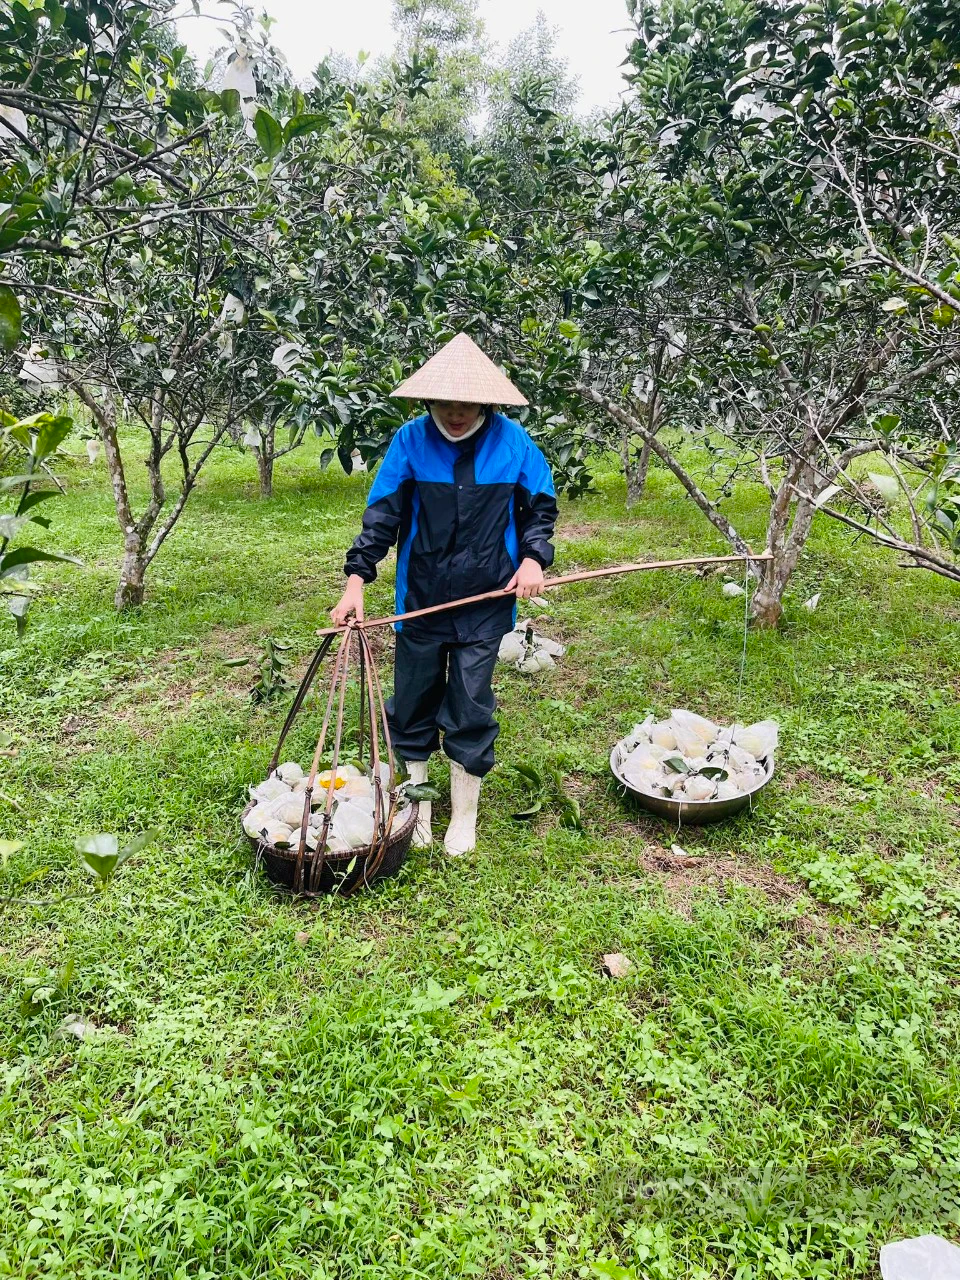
(464, 435)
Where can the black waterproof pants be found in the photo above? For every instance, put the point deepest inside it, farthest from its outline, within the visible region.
(443, 684)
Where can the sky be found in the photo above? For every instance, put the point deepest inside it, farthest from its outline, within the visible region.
(592, 36)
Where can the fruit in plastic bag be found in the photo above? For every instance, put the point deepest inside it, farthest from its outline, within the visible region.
(646, 756)
(534, 662)
(353, 823)
(259, 817)
(356, 789)
(288, 810)
(759, 739)
(512, 647)
(279, 835)
(702, 728)
(290, 773)
(272, 789)
(550, 647)
(698, 788)
(643, 778)
(922, 1258)
(663, 735)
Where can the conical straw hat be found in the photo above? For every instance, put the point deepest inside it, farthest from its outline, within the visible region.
(460, 371)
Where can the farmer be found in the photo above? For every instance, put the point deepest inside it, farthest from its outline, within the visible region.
(470, 501)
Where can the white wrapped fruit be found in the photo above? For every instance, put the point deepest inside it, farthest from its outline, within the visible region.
(638, 736)
(259, 817)
(353, 823)
(290, 773)
(648, 780)
(272, 789)
(702, 729)
(288, 809)
(698, 788)
(727, 790)
(279, 835)
(512, 648)
(539, 660)
(663, 735)
(646, 756)
(759, 739)
(360, 788)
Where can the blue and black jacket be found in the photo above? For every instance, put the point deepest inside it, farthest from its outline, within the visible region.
(463, 516)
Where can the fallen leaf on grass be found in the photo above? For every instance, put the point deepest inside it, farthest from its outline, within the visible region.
(616, 964)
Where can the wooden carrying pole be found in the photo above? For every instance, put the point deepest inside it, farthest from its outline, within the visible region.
(549, 583)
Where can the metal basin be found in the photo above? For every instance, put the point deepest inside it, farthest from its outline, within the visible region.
(693, 813)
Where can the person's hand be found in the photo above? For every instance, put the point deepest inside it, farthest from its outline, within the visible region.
(350, 603)
(528, 580)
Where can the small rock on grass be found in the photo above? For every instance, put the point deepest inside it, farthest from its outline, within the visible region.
(616, 964)
(302, 937)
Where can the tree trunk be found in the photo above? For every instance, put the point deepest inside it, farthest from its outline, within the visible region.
(791, 519)
(635, 468)
(766, 607)
(265, 463)
(133, 572)
(643, 467)
(265, 472)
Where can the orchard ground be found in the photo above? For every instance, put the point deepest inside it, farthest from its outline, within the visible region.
(435, 1079)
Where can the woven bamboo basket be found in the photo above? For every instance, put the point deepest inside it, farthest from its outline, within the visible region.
(309, 872)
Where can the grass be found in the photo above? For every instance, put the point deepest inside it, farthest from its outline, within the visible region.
(435, 1079)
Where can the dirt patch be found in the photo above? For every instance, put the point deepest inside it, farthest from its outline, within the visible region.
(575, 532)
(826, 790)
(684, 875)
(78, 731)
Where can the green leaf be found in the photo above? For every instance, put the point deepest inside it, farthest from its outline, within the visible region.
(51, 433)
(268, 131)
(570, 817)
(299, 126)
(11, 319)
(531, 812)
(184, 103)
(236, 662)
(37, 496)
(30, 555)
(530, 774)
(11, 525)
(423, 793)
(138, 842)
(714, 773)
(943, 316)
(230, 102)
(100, 855)
(676, 764)
(895, 304)
(326, 458)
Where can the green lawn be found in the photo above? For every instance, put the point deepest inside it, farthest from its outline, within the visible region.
(437, 1080)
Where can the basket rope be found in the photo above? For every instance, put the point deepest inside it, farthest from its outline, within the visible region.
(372, 726)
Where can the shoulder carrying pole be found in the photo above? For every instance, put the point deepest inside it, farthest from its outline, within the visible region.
(548, 585)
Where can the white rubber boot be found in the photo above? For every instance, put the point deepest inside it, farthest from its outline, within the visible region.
(461, 835)
(423, 836)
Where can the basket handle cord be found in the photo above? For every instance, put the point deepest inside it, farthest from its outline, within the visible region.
(305, 683)
(337, 682)
(373, 717)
